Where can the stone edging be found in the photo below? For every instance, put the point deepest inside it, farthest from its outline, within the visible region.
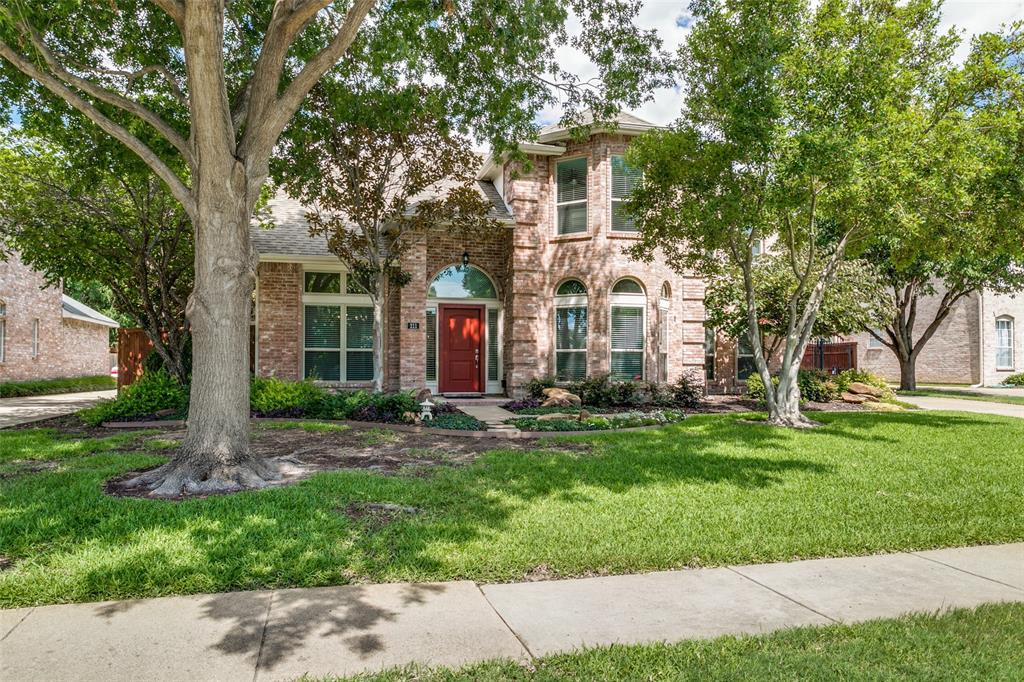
(404, 428)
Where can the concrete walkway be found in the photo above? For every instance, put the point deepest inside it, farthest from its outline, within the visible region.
(962, 405)
(492, 415)
(283, 634)
(984, 390)
(15, 411)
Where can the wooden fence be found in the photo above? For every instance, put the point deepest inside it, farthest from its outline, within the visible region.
(133, 346)
(830, 357)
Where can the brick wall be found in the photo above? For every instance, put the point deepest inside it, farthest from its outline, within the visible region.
(67, 348)
(541, 259)
(279, 320)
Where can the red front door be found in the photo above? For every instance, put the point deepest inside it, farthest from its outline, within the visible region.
(461, 349)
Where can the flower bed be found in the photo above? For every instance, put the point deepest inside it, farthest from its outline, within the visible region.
(600, 422)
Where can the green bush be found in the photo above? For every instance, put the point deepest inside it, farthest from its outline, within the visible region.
(386, 407)
(1014, 380)
(459, 421)
(270, 397)
(847, 377)
(815, 385)
(537, 385)
(19, 389)
(625, 420)
(151, 393)
(688, 390)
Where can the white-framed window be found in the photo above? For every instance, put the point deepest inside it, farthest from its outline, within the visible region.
(571, 195)
(745, 365)
(873, 342)
(35, 338)
(338, 328)
(624, 179)
(1004, 343)
(571, 324)
(664, 303)
(757, 248)
(628, 330)
(709, 353)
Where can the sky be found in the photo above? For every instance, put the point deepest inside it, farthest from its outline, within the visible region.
(673, 23)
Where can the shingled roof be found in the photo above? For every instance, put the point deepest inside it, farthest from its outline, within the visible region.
(290, 234)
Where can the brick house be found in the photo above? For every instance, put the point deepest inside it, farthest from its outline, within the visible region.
(45, 334)
(548, 293)
(979, 342)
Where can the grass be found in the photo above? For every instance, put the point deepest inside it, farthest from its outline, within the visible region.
(965, 395)
(709, 491)
(19, 389)
(986, 643)
(311, 426)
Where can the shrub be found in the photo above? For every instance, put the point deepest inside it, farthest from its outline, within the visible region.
(386, 407)
(522, 404)
(459, 421)
(1014, 380)
(529, 424)
(537, 385)
(151, 393)
(847, 377)
(688, 390)
(270, 397)
(755, 387)
(816, 386)
(19, 389)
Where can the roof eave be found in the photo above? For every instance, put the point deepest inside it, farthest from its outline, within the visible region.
(632, 129)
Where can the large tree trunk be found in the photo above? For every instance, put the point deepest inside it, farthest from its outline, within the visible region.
(215, 456)
(379, 300)
(785, 409)
(908, 371)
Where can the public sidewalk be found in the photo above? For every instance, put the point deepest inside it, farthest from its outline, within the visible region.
(282, 634)
(14, 411)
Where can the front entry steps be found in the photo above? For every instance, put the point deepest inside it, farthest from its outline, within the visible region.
(489, 414)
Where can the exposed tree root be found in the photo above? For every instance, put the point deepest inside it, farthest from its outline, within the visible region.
(797, 421)
(181, 477)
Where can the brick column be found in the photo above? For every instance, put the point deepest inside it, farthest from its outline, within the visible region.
(412, 343)
(279, 320)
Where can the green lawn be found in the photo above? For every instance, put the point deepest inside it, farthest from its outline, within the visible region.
(966, 395)
(984, 644)
(713, 490)
(16, 389)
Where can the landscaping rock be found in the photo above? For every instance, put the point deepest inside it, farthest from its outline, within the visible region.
(554, 416)
(864, 389)
(852, 398)
(423, 394)
(559, 397)
(411, 417)
(583, 415)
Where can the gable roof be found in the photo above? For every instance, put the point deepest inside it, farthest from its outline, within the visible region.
(290, 235)
(623, 122)
(76, 310)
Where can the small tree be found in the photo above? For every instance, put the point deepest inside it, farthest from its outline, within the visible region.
(788, 133)
(73, 215)
(378, 180)
(855, 300)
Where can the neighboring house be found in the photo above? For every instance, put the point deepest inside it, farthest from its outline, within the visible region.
(45, 334)
(980, 342)
(548, 293)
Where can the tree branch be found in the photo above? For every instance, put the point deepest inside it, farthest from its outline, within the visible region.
(175, 9)
(177, 188)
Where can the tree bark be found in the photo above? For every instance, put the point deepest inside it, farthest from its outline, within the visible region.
(908, 371)
(215, 455)
(379, 300)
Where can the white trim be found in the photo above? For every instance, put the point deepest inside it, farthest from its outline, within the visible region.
(490, 386)
(571, 301)
(631, 129)
(1001, 367)
(586, 201)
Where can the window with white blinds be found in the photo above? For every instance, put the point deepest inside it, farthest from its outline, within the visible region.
(627, 343)
(1004, 343)
(571, 195)
(571, 342)
(492, 344)
(624, 178)
(431, 322)
(336, 352)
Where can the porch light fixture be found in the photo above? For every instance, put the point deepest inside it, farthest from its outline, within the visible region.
(465, 259)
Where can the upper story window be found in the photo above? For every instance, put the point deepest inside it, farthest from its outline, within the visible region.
(1004, 343)
(571, 195)
(624, 178)
(757, 248)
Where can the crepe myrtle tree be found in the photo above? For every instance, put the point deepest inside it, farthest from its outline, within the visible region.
(787, 134)
(219, 81)
(78, 213)
(856, 299)
(380, 172)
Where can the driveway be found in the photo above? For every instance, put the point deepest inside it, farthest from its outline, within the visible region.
(984, 390)
(961, 405)
(14, 411)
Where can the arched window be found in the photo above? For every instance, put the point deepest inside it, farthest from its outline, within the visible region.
(462, 281)
(627, 334)
(1004, 343)
(3, 331)
(571, 331)
(666, 291)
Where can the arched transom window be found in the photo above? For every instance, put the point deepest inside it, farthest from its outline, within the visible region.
(462, 281)
(571, 330)
(627, 334)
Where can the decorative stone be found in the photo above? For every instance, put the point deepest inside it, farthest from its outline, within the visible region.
(853, 398)
(423, 394)
(864, 389)
(559, 397)
(554, 416)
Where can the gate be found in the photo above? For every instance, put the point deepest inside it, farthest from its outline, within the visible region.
(830, 357)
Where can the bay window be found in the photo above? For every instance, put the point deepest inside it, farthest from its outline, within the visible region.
(624, 178)
(627, 330)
